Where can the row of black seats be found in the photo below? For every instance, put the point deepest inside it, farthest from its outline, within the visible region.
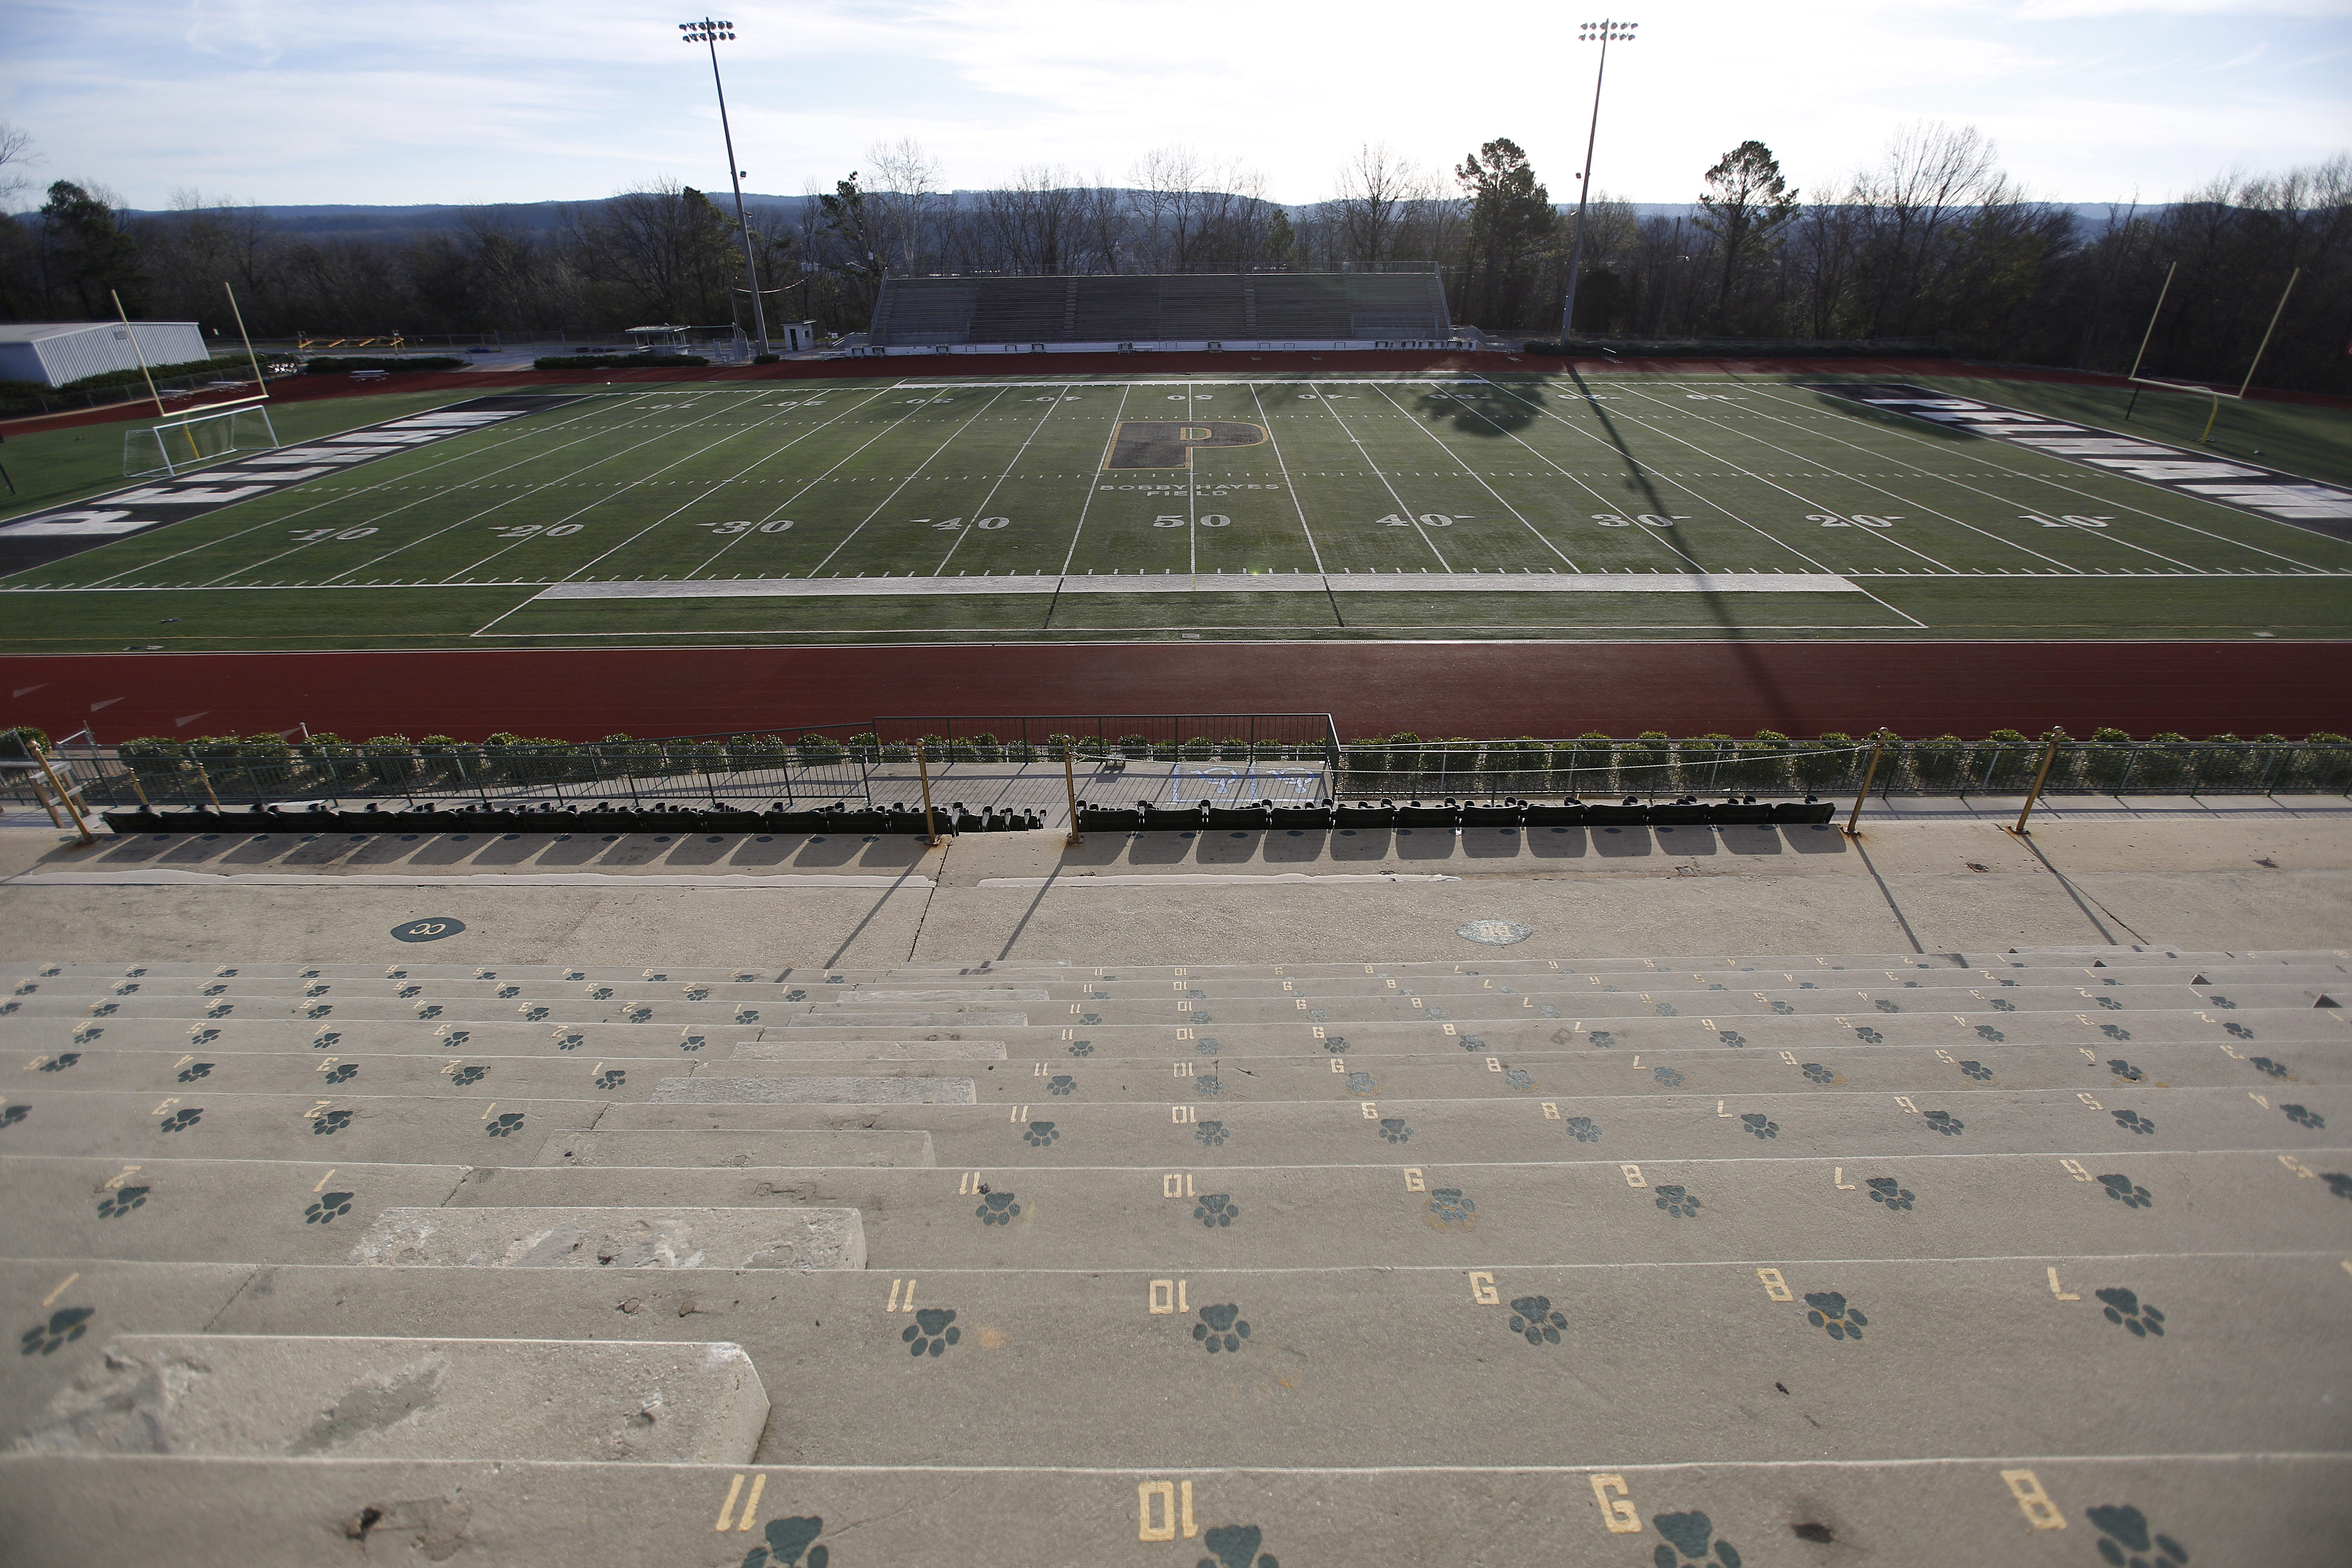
(1450, 812)
(603, 817)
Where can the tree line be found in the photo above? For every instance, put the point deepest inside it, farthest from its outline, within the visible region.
(1932, 239)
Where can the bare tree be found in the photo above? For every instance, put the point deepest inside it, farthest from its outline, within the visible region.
(15, 154)
(904, 198)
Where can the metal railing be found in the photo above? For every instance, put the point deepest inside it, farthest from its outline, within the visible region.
(1595, 767)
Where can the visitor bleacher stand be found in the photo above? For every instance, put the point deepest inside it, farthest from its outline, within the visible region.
(1186, 310)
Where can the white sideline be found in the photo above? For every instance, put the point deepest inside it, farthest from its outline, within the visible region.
(1220, 583)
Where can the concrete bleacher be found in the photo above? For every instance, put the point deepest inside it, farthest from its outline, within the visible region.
(1238, 310)
(1905, 1257)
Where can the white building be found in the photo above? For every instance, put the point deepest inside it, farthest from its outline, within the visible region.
(55, 353)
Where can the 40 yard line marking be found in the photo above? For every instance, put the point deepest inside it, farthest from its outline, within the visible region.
(1482, 483)
(970, 528)
(909, 479)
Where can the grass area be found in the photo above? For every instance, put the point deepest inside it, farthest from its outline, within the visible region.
(1933, 533)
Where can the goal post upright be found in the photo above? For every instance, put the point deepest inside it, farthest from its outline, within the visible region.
(261, 384)
(136, 353)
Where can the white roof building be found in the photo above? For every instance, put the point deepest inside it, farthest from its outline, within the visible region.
(55, 353)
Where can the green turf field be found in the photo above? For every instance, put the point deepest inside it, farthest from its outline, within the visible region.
(1331, 506)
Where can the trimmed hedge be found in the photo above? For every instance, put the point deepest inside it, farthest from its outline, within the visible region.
(617, 361)
(329, 366)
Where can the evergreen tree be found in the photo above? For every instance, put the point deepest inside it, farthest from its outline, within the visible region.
(87, 253)
(1747, 204)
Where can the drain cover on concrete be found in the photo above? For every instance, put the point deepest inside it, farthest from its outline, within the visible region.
(1494, 933)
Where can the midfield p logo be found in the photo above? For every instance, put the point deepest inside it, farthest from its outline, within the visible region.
(1169, 442)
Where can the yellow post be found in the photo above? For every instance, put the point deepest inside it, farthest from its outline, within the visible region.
(47, 804)
(2049, 756)
(250, 358)
(1877, 745)
(923, 771)
(82, 824)
(1070, 782)
(129, 333)
(2205, 437)
(205, 779)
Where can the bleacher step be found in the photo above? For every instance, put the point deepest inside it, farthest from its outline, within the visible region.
(740, 1147)
(306, 1397)
(601, 1238)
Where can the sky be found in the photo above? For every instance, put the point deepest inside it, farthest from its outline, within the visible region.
(377, 102)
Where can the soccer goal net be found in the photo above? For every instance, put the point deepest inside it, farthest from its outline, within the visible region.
(199, 437)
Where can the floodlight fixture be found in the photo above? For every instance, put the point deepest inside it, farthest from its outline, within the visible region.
(712, 33)
(1604, 33)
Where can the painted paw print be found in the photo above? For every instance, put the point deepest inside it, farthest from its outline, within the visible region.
(786, 1539)
(2223, 1002)
(2133, 1121)
(572, 1041)
(1604, 1039)
(1868, 1037)
(1945, 1122)
(1815, 1072)
(1235, 1546)
(1827, 1311)
(64, 1059)
(1394, 1129)
(188, 1073)
(746, 1015)
(931, 1333)
(691, 1043)
(1666, 1010)
(66, 1325)
(1888, 1190)
(1584, 1129)
(2239, 1031)
(1091, 1018)
(465, 1076)
(180, 1121)
(1213, 1133)
(507, 1125)
(2339, 1182)
(1668, 1076)
(1731, 1037)
(1976, 1070)
(1691, 1534)
(1061, 1083)
(11, 1114)
(998, 1208)
(122, 1201)
(1885, 1006)
(637, 1014)
(1472, 1043)
(604, 993)
(1987, 1032)
(1210, 1086)
(327, 1208)
(1449, 1206)
(343, 1073)
(1037, 1134)
(2303, 1118)
(212, 991)
(1215, 1211)
(612, 1077)
(2109, 1003)
(2126, 1541)
(427, 1010)
(1678, 1203)
(1319, 1015)
(1759, 1126)
(2001, 1005)
(2124, 1307)
(1082, 1048)
(1519, 1077)
(1548, 1010)
(1208, 1044)
(2113, 1032)
(1785, 1009)
(1221, 1329)
(2122, 1188)
(1435, 1011)
(327, 1123)
(87, 1032)
(1533, 1320)
(2266, 1067)
(1361, 1083)
(1337, 1045)
(693, 993)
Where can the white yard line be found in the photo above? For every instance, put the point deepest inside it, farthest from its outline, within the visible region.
(1403, 510)
(902, 484)
(1094, 483)
(1473, 472)
(1264, 420)
(971, 520)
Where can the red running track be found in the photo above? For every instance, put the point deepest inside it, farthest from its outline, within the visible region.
(1480, 689)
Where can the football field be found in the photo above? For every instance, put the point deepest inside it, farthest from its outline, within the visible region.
(1444, 506)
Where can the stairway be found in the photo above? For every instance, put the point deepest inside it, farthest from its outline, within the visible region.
(1719, 1259)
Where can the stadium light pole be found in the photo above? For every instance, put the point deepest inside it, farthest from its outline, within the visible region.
(713, 34)
(1604, 34)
